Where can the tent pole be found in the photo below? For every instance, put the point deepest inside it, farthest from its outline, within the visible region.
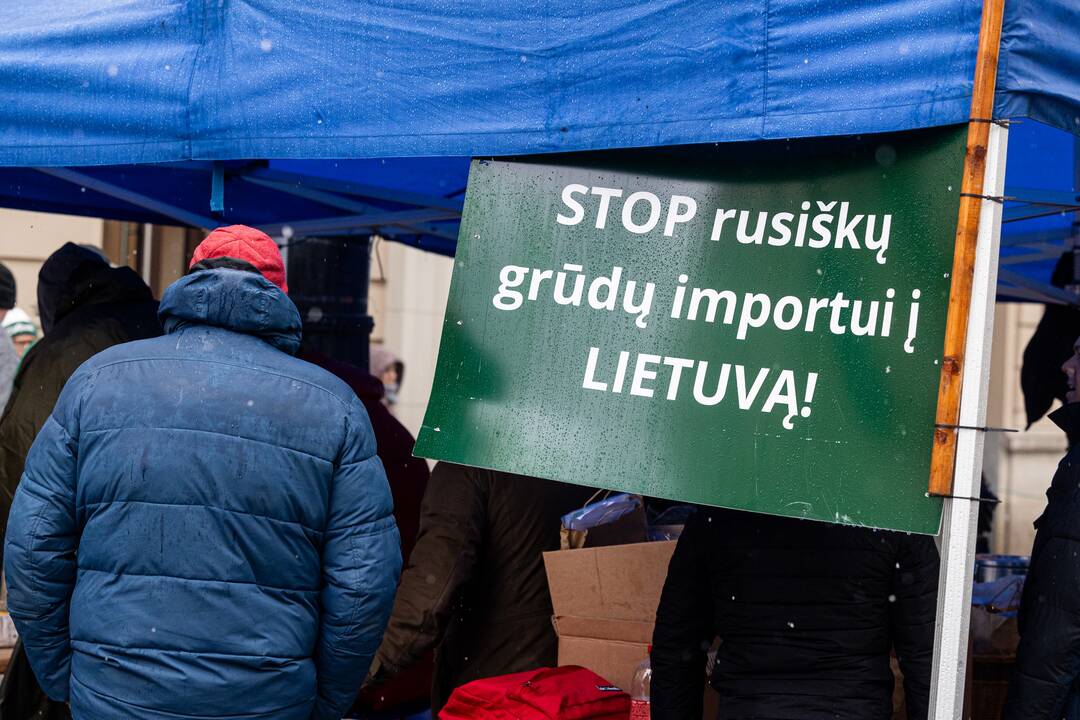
(961, 515)
(130, 196)
(956, 462)
(943, 457)
(343, 203)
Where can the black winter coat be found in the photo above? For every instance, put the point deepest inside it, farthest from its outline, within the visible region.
(807, 614)
(475, 588)
(1046, 679)
(85, 307)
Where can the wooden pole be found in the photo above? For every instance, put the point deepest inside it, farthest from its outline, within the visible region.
(943, 459)
(961, 516)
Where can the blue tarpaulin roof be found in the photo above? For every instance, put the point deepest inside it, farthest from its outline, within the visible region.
(363, 113)
(1042, 167)
(93, 82)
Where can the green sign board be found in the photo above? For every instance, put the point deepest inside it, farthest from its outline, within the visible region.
(755, 326)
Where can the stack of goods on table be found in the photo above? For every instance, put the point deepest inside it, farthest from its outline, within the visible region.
(995, 601)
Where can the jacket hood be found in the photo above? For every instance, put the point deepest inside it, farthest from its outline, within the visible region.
(380, 360)
(74, 276)
(237, 300)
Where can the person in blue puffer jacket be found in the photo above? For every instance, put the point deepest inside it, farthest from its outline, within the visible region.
(203, 529)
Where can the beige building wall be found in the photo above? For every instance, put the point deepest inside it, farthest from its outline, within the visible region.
(407, 300)
(28, 238)
(1018, 466)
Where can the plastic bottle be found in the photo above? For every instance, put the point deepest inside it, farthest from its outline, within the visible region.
(639, 690)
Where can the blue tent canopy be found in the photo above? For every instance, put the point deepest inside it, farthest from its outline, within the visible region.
(1041, 172)
(339, 117)
(99, 82)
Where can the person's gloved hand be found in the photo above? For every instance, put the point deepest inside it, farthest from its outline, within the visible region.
(376, 675)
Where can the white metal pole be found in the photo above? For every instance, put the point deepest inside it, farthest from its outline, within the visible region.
(959, 521)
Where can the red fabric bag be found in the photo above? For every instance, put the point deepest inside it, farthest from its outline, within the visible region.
(562, 693)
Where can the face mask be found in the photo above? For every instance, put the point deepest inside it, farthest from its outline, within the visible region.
(391, 393)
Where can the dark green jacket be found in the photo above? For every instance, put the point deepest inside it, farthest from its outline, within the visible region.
(475, 588)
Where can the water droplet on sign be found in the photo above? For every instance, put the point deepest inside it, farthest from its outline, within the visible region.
(885, 155)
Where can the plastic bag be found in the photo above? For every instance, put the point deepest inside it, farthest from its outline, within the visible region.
(602, 512)
(615, 520)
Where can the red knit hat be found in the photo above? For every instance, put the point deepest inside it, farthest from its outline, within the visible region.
(248, 244)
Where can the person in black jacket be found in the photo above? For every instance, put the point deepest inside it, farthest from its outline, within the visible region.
(1046, 679)
(85, 306)
(807, 614)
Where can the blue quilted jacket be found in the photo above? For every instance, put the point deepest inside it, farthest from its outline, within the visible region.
(203, 529)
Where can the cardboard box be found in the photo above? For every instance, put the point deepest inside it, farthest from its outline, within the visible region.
(605, 601)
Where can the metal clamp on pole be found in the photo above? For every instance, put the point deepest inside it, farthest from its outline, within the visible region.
(999, 199)
(988, 501)
(947, 426)
(1000, 122)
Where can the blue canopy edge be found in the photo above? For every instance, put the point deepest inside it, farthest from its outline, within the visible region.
(1039, 68)
(94, 82)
